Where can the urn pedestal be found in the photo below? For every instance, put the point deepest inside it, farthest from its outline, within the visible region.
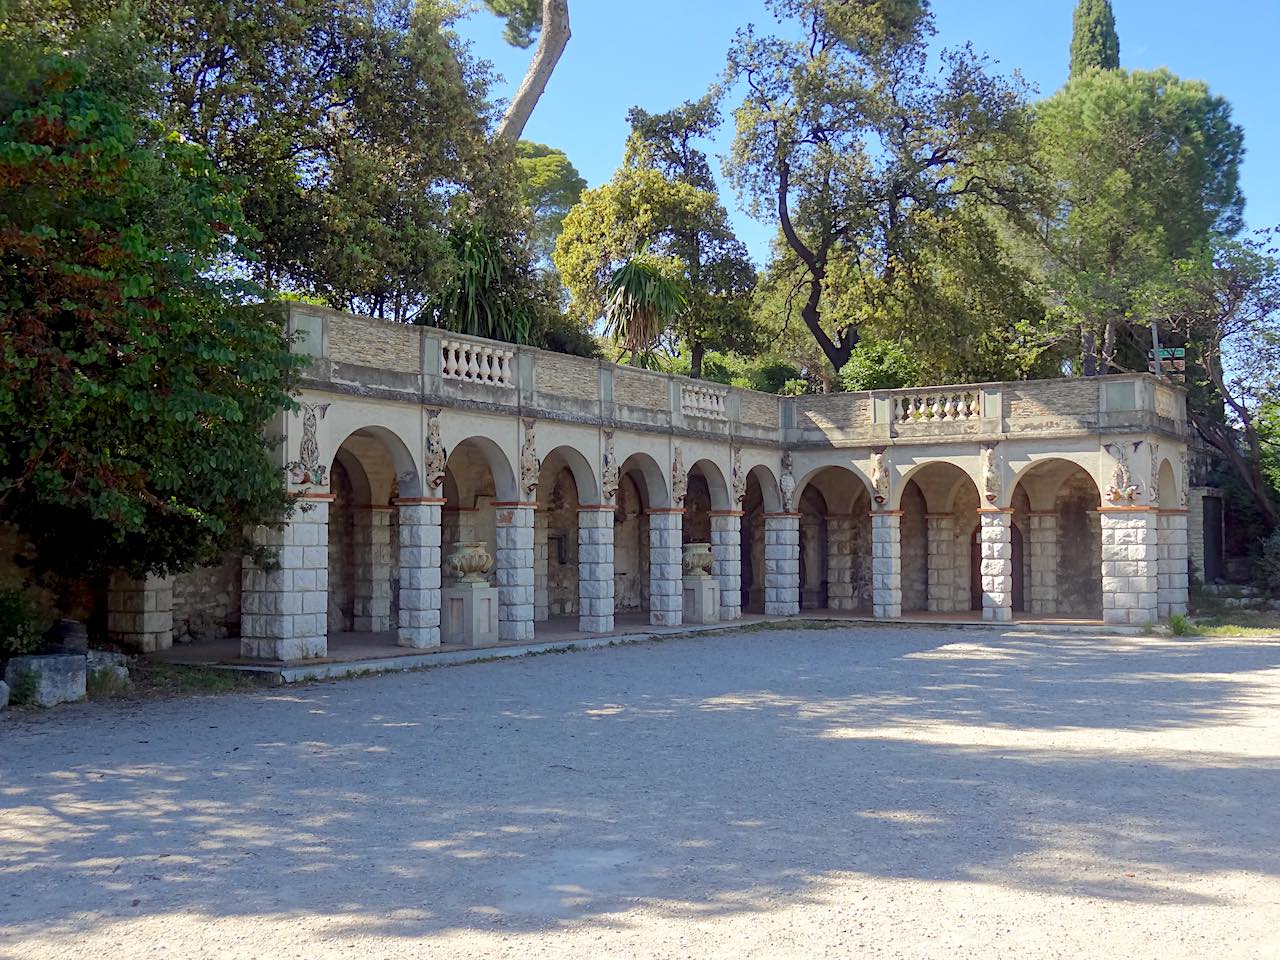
(701, 591)
(468, 604)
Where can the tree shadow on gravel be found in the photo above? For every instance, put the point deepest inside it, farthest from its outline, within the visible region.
(701, 778)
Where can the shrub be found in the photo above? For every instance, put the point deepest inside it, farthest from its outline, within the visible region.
(19, 624)
(1266, 571)
(1180, 625)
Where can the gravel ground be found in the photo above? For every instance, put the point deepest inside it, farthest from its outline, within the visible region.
(829, 793)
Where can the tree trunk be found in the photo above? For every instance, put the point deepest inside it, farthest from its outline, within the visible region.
(1109, 347)
(552, 38)
(696, 350)
(1088, 352)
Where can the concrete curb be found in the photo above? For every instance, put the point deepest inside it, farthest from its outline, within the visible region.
(278, 674)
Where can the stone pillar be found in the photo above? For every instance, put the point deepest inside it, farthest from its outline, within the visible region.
(726, 547)
(419, 625)
(666, 576)
(781, 564)
(1172, 593)
(371, 610)
(595, 569)
(1129, 565)
(284, 612)
(541, 557)
(1042, 553)
(995, 538)
(840, 562)
(514, 531)
(886, 563)
(140, 612)
(941, 534)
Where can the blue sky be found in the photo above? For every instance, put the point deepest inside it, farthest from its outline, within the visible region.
(658, 53)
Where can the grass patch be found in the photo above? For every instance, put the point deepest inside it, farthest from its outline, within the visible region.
(1236, 623)
(106, 683)
(152, 679)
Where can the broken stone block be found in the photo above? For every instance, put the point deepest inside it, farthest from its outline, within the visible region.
(47, 681)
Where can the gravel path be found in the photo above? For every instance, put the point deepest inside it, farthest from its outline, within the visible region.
(832, 793)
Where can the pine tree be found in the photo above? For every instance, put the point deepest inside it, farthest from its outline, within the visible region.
(1094, 42)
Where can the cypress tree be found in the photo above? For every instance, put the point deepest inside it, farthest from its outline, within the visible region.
(1094, 42)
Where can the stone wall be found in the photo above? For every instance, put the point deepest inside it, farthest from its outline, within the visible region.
(641, 390)
(1079, 549)
(915, 550)
(565, 376)
(630, 549)
(1052, 404)
(206, 602)
(372, 343)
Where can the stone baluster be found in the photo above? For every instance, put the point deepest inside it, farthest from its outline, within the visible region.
(595, 569)
(419, 614)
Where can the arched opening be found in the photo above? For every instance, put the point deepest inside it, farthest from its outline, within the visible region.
(556, 536)
(1063, 540)
(476, 476)
(641, 489)
(371, 469)
(760, 497)
(835, 541)
(941, 553)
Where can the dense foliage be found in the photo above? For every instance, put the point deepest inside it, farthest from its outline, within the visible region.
(1094, 42)
(135, 379)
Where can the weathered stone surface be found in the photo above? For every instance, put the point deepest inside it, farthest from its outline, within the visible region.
(4, 694)
(48, 680)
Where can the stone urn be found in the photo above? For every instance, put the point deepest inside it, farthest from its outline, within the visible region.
(697, 560)
(469, 562)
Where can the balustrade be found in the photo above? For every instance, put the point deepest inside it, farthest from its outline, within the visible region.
(702, 401)
(477, 363)
(946, 407)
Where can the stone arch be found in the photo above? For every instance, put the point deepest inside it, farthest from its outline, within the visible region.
(384, 459)
(767, 482)
(556, 534)
(938, 480)
(841, 485)
(655, 488)
(584, 474)
(1064, 538)
(717, 486)
(500, 468)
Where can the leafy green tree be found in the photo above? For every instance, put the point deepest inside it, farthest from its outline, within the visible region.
(136, 378)
(551, 186)
(643, 296)
(867, 161)
(1094, 42)
(663, 199)
(360, 129)
(1148, 168)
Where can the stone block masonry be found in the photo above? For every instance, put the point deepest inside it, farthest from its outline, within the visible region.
(514, 532)
(1172, 559)
(372, 544)
(285, 611)
(595, 569)
(995, 537)
(666, 576)
(140, 612)
(1129, 565)
(781, 564)
(941, 532)
(840, 561)
(726, 548)
(886, 564)
(1042, 597)
(419, 623)
(541, 558)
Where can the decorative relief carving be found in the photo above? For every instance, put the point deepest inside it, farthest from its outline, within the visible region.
(739, 478)
(679, 479)
(1155, 473)
(609, 479)
(308, 468)
(1184, 474)
(787, 483)
(879, 477)
(1122, 488)
(434, 453)
(529, 462)
(990, 473)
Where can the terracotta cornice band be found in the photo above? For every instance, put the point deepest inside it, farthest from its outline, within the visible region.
(419, 501)
(320, 497)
